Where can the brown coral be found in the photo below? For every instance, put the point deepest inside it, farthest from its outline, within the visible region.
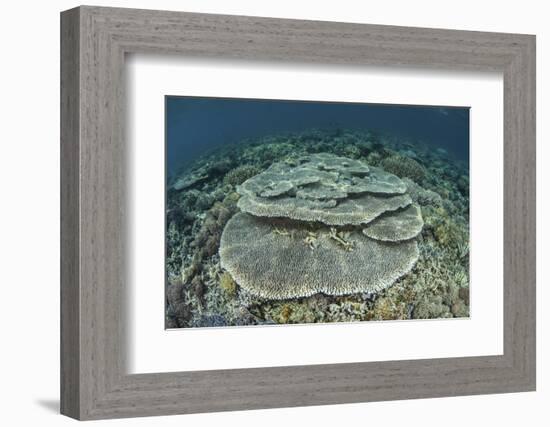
(404, 167)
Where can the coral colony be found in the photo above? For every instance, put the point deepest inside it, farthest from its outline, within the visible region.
(317, 227)
(335, 226)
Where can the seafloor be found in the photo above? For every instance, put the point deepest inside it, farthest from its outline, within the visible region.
(199, 293)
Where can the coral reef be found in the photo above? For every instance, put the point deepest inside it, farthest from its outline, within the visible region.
(201, 293)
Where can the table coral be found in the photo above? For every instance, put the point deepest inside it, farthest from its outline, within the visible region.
(404, 224)
(272, 266)
(326, 200)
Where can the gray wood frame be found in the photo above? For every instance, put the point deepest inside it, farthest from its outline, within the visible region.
(94, 382)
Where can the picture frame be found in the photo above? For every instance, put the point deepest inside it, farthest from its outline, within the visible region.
(94, 380)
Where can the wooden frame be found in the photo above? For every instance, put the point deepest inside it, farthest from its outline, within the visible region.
(94, 41)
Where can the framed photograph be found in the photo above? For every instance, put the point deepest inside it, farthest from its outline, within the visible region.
(261, 213)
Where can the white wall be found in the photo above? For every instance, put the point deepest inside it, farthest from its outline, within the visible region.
(29, 226)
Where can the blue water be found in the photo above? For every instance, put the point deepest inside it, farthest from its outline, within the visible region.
(195, 125)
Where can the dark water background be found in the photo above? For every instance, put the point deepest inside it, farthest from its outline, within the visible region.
(195, 125)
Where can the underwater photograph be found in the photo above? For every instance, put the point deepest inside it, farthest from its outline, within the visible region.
(294, 212)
